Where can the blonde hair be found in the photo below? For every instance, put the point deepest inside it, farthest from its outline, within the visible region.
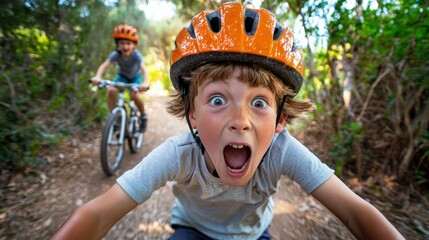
(252, 74)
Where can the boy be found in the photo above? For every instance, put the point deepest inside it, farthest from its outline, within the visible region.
(236, 71)
(131, 68)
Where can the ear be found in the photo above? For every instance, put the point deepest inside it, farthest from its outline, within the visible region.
(281, 124)
(192, 118)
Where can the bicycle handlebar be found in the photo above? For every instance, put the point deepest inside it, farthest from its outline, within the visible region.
(119, 85)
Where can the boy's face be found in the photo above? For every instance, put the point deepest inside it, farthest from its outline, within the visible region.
(236, 123)
(126, 47)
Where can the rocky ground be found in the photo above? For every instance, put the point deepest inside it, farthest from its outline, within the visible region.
(34, 203)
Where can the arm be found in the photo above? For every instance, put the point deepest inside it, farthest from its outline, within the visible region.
(100, 71)
(145, 82)
(359, 216)
(94, 219)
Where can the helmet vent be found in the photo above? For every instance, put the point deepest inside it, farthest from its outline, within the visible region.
(278, 31)
(294, 47)
(214, 21)
(191, 31)
(251, 20)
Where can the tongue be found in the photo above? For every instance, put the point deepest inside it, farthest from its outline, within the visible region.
(236, 157)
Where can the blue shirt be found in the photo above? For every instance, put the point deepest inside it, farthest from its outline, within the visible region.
(130, 67)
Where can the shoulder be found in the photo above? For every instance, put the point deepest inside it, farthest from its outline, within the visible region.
(185, 146)
(186, 156)
(181, 140)
(137, 54)
(182, 146)
(114, 54)
(275, 156)
(162, 164)
(287, 145)
(289, 150)
(171, 150)
(291, 158)
(283, 141)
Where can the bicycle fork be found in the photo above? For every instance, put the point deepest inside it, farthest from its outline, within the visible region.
(122, 131)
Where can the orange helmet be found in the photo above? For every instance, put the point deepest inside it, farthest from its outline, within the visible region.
(127, 32)
(237, 34)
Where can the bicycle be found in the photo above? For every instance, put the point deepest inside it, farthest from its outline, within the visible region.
(122, 122)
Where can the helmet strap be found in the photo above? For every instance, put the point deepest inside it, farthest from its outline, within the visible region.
(194, 133)
(279, 111)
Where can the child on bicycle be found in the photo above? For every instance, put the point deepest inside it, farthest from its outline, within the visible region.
(131, 68)
(236, 71)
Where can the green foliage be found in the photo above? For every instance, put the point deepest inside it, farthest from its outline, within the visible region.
(189, 8)
(43, 97)
(48, 49)
(24, 143)
(421, 172)
(157, 52)
(383, 44)
(342, 151)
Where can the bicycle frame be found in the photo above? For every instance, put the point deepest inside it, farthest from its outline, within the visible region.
(124, 116)
(120, 107)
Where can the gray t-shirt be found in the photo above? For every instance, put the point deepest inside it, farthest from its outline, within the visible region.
(204, 202)
(130, 67)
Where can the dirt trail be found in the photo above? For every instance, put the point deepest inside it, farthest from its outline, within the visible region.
(39, 201)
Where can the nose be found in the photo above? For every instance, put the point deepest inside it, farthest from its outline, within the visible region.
(240, 120)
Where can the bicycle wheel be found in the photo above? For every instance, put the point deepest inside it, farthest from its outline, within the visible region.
(112, 144)
(135, 137)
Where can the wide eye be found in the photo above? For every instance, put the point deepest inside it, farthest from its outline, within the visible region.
(217, 101)
(259, 103)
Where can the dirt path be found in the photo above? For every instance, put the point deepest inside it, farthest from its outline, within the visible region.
(39, 201)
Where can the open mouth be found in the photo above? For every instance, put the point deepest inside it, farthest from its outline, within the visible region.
(236, 157)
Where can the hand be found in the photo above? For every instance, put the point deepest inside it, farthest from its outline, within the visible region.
(144, 87)
(95, 81)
